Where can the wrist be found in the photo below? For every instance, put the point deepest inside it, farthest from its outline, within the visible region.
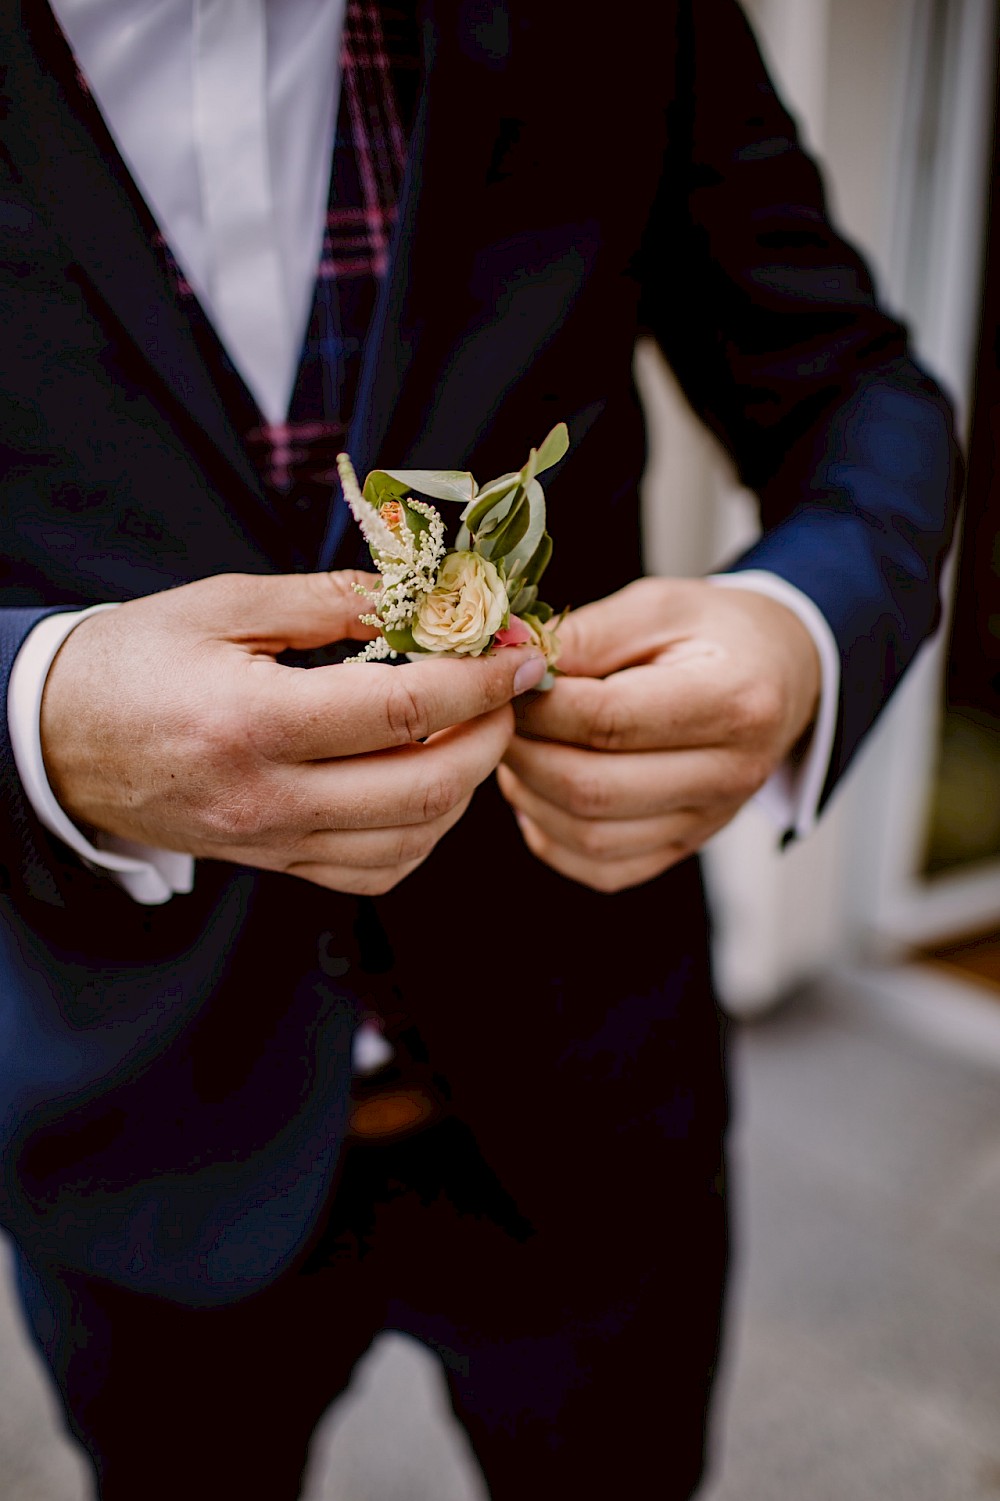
(149, 875)
(67, 707)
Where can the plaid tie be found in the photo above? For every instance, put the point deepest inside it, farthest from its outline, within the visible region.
(296, 459)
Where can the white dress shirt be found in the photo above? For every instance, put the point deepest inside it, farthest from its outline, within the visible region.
(224, 112)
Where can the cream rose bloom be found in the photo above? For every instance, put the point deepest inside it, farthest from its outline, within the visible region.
(465, 609)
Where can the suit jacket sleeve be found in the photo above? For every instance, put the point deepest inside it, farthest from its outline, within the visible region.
(770, 320)
(32, 862)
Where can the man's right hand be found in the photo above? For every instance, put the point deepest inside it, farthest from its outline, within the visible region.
(168, 722)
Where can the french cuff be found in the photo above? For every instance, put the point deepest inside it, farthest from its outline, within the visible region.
(791, 795)
(150, 876)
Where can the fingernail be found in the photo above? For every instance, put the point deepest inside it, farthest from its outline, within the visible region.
(529, 674)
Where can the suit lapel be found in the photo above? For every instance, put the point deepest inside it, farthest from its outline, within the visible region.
(482, 273)
(450, 150)
(421, 312)
(65, 156)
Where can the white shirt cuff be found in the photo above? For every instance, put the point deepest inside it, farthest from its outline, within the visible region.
(150, 876)
(791, 794)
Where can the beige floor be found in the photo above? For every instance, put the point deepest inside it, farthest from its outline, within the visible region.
(863, 1361)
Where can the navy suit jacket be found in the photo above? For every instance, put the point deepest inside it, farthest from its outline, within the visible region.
(173, 1081)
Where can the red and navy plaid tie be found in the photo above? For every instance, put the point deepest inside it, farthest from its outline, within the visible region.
(296, 459)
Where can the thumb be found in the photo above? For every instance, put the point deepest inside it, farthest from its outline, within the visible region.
(273, 613)
(627, 628)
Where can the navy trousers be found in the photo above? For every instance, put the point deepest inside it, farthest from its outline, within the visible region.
(579, 1362)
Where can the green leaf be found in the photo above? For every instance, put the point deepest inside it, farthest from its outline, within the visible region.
(539, 560)
(496, 487)
(401, 639)
(415, 521)
(523, 599)
(528, 472)
(528, 543)
(552, 448)
(500, 499)
(510, 531)
(440, 484)
(542, 612)
(380, 487)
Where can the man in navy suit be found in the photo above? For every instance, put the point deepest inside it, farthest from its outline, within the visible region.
(201, 1257)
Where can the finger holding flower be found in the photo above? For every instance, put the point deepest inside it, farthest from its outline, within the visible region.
(675, 703)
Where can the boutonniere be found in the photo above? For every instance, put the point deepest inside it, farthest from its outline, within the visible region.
(465, 599)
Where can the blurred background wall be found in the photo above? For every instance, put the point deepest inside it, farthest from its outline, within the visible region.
(897, 99)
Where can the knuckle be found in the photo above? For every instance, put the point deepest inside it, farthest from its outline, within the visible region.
(379, 882)
(730, 781)
(406, 716)
(212, 735)
(330, 589)
(740, 777)
(219, 728)
(594, 839)
(609, 725)
(239, 818)
(216, 824)
(585, 793)
(672, 856)
(756, 710)
(413, 843)
(358, 880)
(646, 588)
(606, 879)
(756, 770)
(439, 795)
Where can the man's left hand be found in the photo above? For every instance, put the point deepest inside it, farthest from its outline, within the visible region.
(678, 702)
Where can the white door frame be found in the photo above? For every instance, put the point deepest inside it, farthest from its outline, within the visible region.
(936, 241)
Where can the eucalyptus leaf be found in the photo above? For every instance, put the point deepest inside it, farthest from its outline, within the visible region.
(552, 448)
(510, 531)
(539, 560)
(498, 500)
(440, 484)
(542, 612)
(496, 487)
(528, 542)
(523, 599)
(380, 487)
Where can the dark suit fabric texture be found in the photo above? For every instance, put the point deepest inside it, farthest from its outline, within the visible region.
(174, 1080)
